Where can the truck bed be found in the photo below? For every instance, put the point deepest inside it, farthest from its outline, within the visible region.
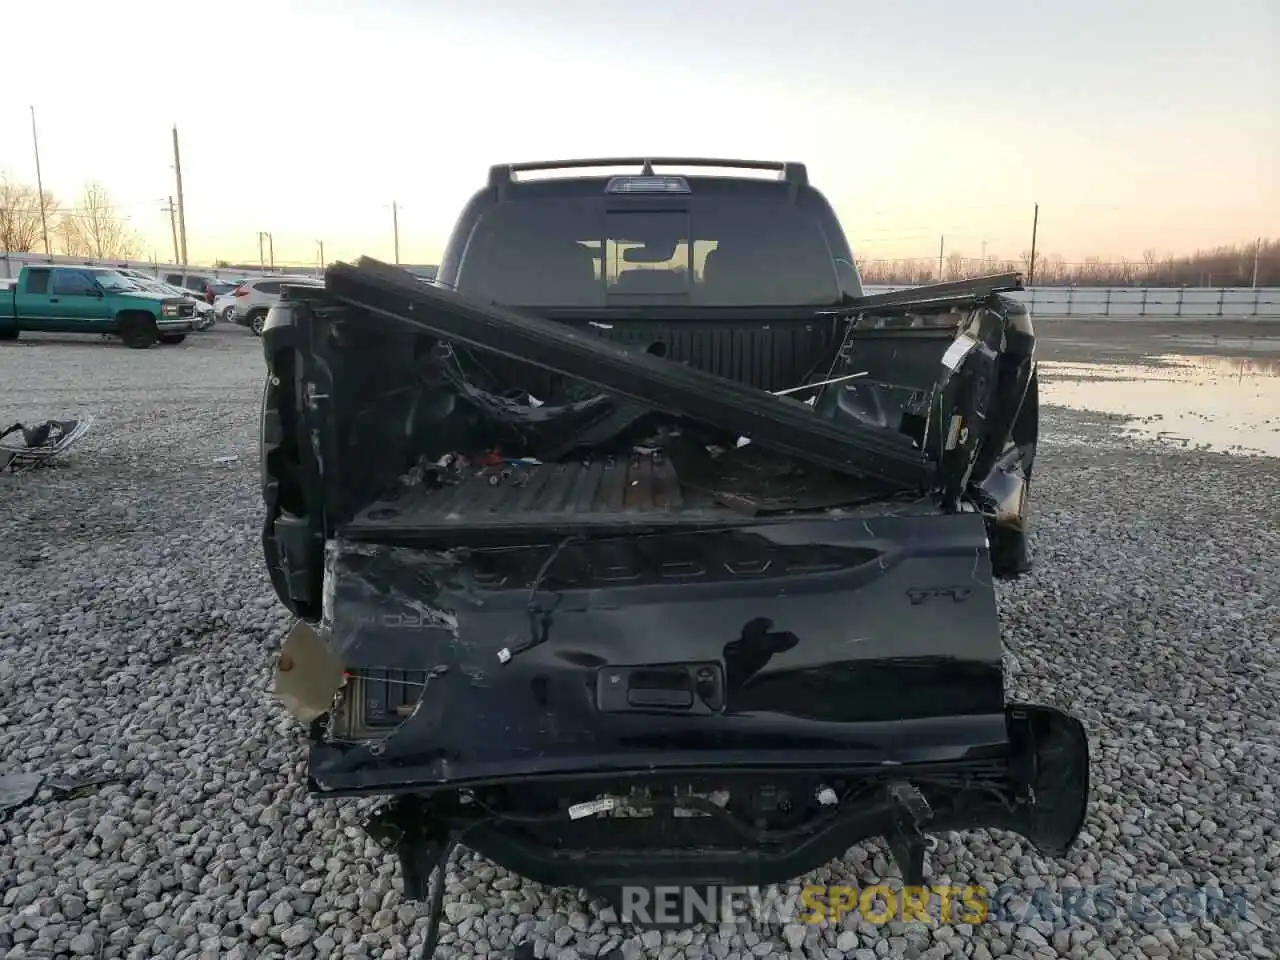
(644, 489)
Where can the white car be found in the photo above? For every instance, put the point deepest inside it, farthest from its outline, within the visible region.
(224, 305)
(257, 295)
(135, 274)
(204, 311)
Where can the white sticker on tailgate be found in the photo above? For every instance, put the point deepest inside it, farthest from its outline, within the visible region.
(958, 351)
(591, 808)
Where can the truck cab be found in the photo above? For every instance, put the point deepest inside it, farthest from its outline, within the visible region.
(83, 299)
(704, 240)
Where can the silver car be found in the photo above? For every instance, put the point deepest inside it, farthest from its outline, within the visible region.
(256, 296)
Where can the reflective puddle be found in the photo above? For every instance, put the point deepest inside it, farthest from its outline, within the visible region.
(1214, 403)
(1251, 344)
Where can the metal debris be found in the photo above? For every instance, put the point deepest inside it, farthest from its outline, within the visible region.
(22, 446)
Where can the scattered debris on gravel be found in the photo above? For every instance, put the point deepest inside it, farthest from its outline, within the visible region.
(137, 629)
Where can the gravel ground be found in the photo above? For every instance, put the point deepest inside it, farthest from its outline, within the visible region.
(136, 634)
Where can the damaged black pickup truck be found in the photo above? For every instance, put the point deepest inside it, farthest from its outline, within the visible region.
(643, 549)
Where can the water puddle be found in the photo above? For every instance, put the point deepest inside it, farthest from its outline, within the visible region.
(1269, 344)
(1212, 403)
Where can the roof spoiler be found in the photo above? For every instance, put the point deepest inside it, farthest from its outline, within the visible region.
(795, 174)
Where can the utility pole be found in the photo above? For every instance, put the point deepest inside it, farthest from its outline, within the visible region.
(941, 243)
(395, 226)
(984, 255)
(182, 205)
(321, 243)
(35, 143)
(1031, 270)
(1257, 255)
(262, 263)
(271, 251)
(173, 226)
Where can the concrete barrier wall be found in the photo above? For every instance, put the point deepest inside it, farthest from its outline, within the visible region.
(1231, 302)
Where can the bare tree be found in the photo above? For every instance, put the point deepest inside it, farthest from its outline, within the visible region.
(20, 223)
(71, 237)
(955, 266)
(1149, 260)
(96, 229)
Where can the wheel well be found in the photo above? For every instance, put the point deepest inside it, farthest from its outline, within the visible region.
(140, 314)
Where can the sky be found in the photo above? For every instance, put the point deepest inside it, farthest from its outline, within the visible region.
(1134, 124)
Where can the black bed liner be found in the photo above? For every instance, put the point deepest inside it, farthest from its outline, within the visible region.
(784, 425)
(643, 489)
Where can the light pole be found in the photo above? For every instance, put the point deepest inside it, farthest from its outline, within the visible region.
(35, 143)
(395, 226)
(173, 226)
(182, 202)
(1031, 267)
(271, 249)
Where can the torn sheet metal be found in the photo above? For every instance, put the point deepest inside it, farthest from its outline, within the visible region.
(957, 291)
(23, 446)
(775, 422)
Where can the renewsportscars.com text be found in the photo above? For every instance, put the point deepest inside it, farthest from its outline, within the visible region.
(938, 904)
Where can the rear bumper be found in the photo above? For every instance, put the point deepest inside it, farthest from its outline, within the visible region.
(1038, 789)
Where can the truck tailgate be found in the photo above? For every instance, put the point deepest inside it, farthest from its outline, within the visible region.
(850, 641)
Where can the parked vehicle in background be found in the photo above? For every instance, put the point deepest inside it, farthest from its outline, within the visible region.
(204, 285)
(256, 296)
(133, 274)
(224, 304)
(219, 288)
(57, 299)
(205, 315)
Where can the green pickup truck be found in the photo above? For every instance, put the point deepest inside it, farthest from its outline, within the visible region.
(70, 299)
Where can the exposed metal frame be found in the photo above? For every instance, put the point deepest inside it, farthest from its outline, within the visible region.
(977, 288)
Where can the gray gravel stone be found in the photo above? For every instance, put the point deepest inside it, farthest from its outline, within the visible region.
(136, 634)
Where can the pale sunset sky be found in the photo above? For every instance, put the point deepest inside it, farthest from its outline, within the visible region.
(1135, 125)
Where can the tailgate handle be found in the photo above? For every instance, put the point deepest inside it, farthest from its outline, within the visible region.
(660, 688)
(696, 689)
